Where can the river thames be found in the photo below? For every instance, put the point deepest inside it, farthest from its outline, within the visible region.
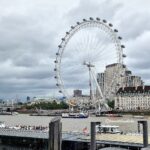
(126, 123)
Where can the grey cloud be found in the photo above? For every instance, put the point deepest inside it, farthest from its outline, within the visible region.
(104, 9)
(133, 26)
(139, 51)
(30, 31)
(138, 55)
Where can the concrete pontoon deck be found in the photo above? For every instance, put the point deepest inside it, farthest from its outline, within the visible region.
(132, 140)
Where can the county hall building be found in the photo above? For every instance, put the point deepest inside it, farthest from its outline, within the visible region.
(133, 98)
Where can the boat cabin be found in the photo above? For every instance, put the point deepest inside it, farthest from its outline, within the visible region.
(108, 129)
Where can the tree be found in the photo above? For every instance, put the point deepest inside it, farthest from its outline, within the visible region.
(111, 103)
(48, 105)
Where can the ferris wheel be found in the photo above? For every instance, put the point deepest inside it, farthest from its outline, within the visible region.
(91, 46)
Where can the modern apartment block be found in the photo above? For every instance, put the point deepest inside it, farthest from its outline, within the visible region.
(77, 93)
(113, 75)
(131, 81)
(106, 79)
(101, 80)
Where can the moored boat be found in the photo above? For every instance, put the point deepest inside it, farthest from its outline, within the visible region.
(75, 115)
(111, 129)
(109, 115)
(5, 113)
(138, 117)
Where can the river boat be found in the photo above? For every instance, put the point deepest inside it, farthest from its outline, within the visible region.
(138, 117)
(75, 115)
(111, 129)
(109, 115)
(5, 113)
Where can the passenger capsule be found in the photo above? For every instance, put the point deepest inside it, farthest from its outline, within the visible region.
(104, 21)
(57, 54)
(115, 30)
(55, 61)
(84, 20)
(91, 18)
(55, 69)
(122, 46)
(78, 23)
(98, 19)
(55, 77)
(59, 46)
(60, 91)
(120, 38)
(124, 55)
(57, 84)
(67, 33)
(72, 27)
(110, 25)
(63, 39)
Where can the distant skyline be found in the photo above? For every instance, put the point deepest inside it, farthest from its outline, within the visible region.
(30, 31)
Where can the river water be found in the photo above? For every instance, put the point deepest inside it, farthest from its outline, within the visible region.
(126, 123)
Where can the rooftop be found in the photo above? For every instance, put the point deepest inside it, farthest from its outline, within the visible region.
(138, 89)
(115, 64)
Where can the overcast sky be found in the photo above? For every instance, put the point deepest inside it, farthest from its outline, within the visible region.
(31, 30)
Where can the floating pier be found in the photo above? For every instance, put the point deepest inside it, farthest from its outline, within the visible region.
(71, 138)
(38, 139)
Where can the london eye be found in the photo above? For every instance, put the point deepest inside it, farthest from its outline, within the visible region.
(85, 50)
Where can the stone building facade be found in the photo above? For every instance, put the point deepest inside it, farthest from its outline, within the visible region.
(133, 98)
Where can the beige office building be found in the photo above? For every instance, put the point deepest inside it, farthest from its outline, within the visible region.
(133, 98)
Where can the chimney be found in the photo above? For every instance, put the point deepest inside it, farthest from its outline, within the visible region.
(122, 88)
(143, 87)
(136, 88)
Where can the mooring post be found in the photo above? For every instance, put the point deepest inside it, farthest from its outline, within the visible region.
(145, 132)
(55, 134)
(93, 135)
(139, 127)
